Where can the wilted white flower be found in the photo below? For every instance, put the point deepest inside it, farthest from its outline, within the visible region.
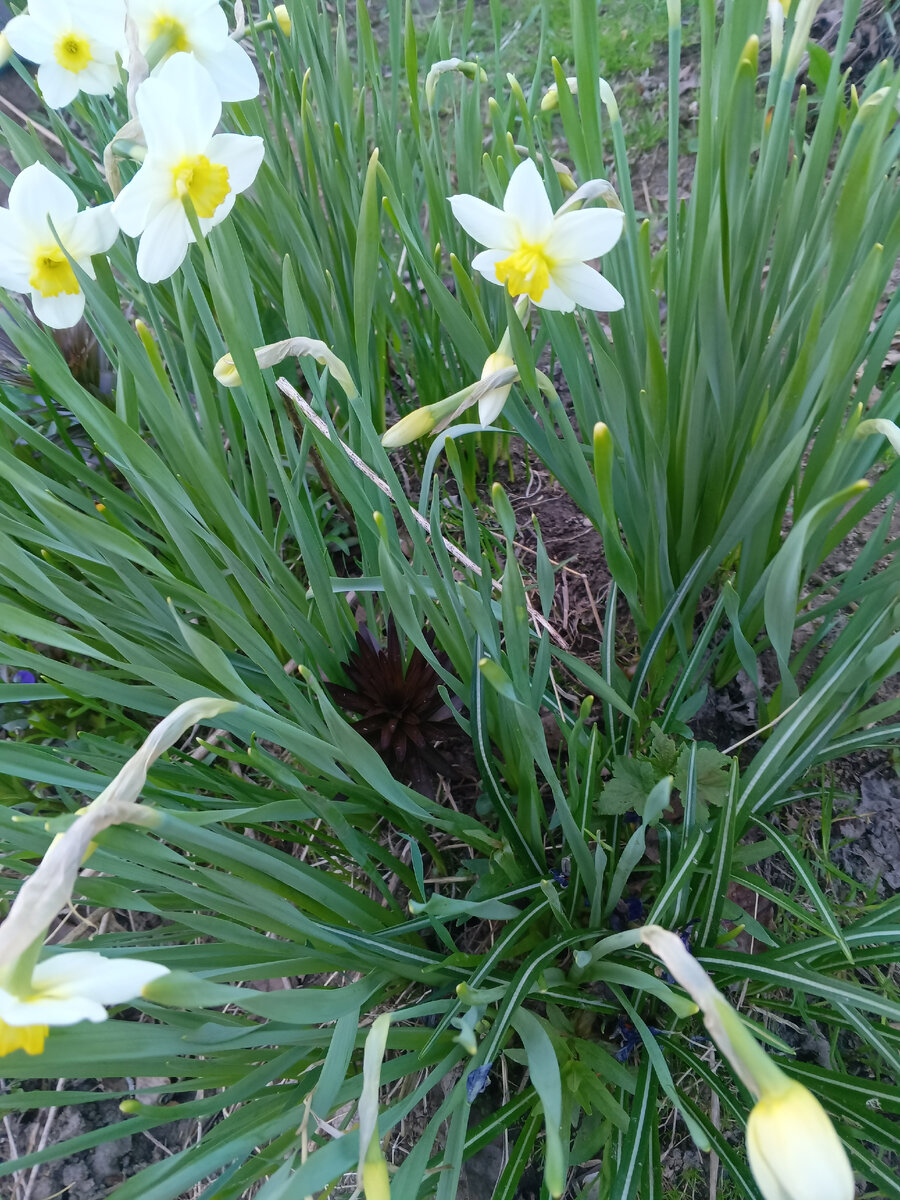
(66, 989)
(197, 27)
(32, 260)
(538, 254)
(179, 110)
(74, 43)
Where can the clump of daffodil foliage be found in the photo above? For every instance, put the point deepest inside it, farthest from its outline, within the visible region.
(333, 269)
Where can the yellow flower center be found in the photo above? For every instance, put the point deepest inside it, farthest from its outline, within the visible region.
(52, 274)
(73, 51)
(173, 32)
(205, 182)
(526, 271)
(29, 1038)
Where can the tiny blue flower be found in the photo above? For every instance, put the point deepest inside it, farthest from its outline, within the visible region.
(477, 1081)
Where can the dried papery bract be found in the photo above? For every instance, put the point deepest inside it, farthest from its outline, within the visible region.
(49, 889)
(297, 347)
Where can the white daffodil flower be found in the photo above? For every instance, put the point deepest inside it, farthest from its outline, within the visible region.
(198, 27)
(32, 260)
(66, 989)
(538, 254)
(179, 110)
(74, 43)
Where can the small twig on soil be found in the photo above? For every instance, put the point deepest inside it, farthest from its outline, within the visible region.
(313, 417)
(13, 1152)
(42, 1143)
(757, 732)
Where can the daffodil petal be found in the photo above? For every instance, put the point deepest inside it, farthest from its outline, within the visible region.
(103, 21)
(36, 192)
(586, 287)
(93, 232)
(587, 233)
(486, 264)
(144, 195)
(555, 299)
(208, 223)
(15, 266)
(486, 224)
(491, 404)
(15, 1011)
(89, 975)
(49, 13)
(29, 38)
(98, 79)
(59, 312)
(164, 244)
(242, 156)
(527, 203)
(178, 108)
(232, 71)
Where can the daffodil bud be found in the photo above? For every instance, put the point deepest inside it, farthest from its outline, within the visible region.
(283, 17)
(880, 425)
(872, 103)
(793, 1149)
(750, 53)
(550, 98)
(776, 29)
(6, 50)
(470, 70)
(410, 428)
(275, 352)
(226, 372)
(805, 15)
(608, 97)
